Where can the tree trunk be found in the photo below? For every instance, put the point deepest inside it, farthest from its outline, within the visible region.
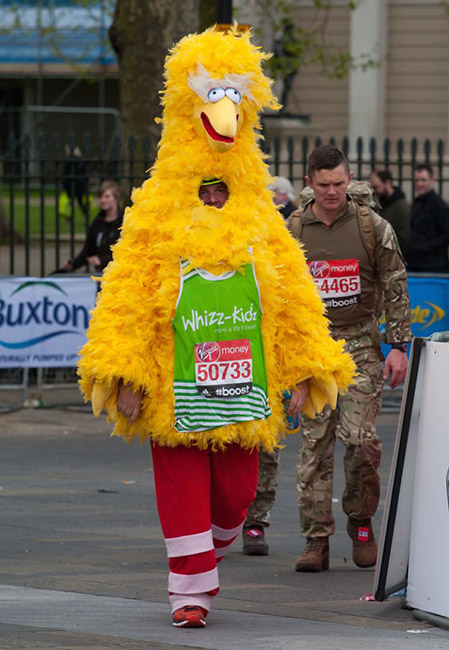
(141, 34)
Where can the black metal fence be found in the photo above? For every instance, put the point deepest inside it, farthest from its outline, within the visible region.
(288, 157)
(39, 233)
(48, 195)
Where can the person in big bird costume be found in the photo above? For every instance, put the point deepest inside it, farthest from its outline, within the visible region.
(208, 314)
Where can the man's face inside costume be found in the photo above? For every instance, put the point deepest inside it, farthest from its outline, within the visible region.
(214, 194)
(329, 186)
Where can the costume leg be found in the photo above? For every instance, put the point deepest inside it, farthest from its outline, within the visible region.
(234, 482)
(358, 410)
(259, 510)
(182, 477)
(315, 469)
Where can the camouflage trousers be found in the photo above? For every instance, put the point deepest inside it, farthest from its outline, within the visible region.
(259, 510)
(354, 423)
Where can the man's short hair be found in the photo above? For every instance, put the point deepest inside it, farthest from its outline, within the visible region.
(384, 175)
(425, 167)
(326, 157)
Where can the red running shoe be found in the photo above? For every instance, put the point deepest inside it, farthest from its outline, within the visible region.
(190, 616)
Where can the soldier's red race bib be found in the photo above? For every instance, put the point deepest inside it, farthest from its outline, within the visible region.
(224, 369)
(338, 281)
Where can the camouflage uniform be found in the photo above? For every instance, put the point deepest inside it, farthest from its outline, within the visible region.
(259, 510)
(353, 422)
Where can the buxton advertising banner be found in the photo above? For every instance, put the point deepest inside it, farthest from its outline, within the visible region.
(43, 322)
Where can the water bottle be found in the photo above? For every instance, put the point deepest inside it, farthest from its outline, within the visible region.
(292, 421)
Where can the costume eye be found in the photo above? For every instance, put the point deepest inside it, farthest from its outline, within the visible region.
(234, 95)
(215, 94)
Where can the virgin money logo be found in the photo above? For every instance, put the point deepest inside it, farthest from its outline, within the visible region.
(320, 270)
(209, 351)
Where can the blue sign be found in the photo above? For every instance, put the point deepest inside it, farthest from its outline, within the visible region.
(429, 302)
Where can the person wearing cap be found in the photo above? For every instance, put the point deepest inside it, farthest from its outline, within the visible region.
(213, 192)
(179, 352)
(283, 196)
(229, 476)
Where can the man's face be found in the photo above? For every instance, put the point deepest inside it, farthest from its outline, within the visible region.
(379, 187)
(329, 186)
(423, 182)
(214, 195)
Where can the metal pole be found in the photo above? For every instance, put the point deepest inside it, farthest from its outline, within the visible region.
(225, 12)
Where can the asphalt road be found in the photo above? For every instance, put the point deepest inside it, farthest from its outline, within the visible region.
(83, 565)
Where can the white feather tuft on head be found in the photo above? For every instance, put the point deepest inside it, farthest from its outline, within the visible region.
(201, 83)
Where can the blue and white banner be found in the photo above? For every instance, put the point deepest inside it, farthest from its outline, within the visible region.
(429, 303)
(43, 321)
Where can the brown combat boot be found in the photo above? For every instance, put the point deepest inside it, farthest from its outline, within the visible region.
(364, 547)
(315, 556)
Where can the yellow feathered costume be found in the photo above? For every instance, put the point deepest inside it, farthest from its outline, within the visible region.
(207, 133)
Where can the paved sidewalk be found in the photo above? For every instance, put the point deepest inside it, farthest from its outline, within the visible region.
(82, 559)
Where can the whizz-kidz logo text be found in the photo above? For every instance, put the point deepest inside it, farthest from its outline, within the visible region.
(206, 318)
(47, 317)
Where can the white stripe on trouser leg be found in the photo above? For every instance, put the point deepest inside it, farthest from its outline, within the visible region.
(196, 583)
(189, 544)
(224, 534)
(223, 550)
(181, 600)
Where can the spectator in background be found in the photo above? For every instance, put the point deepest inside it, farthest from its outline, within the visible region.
(75, 180)
(427, 248)
(283, 195)
(395, 208)
(103, 232)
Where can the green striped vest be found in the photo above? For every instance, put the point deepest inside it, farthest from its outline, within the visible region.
(219, 375)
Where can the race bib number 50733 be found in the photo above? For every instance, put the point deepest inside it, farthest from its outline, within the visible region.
(224, 369)
(338, 281)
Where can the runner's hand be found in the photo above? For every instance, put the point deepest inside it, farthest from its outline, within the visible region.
(396, 364)
(128, 402)
(298, 398)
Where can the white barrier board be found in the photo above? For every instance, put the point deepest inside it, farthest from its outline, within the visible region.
(428, 577)
(394, 541)
(43, 321)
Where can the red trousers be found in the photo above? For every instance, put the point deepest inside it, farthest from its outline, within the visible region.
(202, 499)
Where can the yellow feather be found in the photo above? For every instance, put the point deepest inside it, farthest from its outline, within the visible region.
(130, 334)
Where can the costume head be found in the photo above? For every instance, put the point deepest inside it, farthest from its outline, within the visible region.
(214, 90)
